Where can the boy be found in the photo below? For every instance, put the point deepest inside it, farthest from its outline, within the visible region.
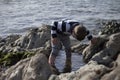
(60, 32)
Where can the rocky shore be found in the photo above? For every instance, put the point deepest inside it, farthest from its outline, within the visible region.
(26, 57)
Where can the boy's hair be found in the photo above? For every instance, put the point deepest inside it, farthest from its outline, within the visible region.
(80, 32)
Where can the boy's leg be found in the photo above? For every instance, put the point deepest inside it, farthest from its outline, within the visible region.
(52, 57)
(66, 42)
(54, 52)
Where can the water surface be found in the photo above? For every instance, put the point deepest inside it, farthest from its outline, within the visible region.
(17, 16)
(76, 61)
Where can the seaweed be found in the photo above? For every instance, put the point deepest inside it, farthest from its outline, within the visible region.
(12, 58)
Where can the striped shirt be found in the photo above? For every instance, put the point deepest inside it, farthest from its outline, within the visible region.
(64, 27)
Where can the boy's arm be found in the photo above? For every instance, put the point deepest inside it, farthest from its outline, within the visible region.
(54, 29)
(54, 33)
(94, 40)
(89, 35)
(91, 38)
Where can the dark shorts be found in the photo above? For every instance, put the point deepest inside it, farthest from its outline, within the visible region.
(64, 40)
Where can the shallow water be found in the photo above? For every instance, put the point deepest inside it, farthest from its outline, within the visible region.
(76, 61)
(17, 16)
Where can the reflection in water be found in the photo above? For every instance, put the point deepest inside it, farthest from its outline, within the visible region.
(76, 61)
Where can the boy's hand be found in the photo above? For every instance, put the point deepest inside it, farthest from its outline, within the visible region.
(94, 40)
(54, 40)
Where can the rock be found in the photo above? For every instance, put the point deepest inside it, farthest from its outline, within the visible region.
(12, 58)
(2, 44)
(6, 44)
(114, 42)
(110, 27)
(11, 38)
(35, 38)
(16, 49)
(110, 52)
(34, 68)
(78, 48)
(91, 50)
(53, 77)
(45, 51)
(115, 74)
(91, 71)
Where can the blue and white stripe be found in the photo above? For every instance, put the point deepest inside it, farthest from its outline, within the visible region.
(62, 26)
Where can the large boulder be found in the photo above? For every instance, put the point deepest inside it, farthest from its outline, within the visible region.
(92, 49)
(110, 52)
(91, 71)
(115, 74)
(21, 47)
(104, 51)
(35, 38)
(34, 68)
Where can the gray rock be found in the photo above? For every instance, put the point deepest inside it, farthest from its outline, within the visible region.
(110, 27)
(17, 49)
(35, 38)
(2, 44)
(35, 68)
(91, 71)
(115, 74)
(91, 50)
(110, 52)
(78, 48)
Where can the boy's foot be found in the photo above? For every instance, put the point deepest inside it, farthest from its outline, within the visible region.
(55, 70)
(67, 67)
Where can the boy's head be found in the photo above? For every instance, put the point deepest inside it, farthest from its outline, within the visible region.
(79, 32)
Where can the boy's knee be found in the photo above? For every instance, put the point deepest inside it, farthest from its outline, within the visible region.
(68, 52)
(54, 52)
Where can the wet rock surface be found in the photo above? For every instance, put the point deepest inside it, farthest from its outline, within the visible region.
(110, 27)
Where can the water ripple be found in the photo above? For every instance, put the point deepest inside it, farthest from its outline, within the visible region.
(19, 14)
